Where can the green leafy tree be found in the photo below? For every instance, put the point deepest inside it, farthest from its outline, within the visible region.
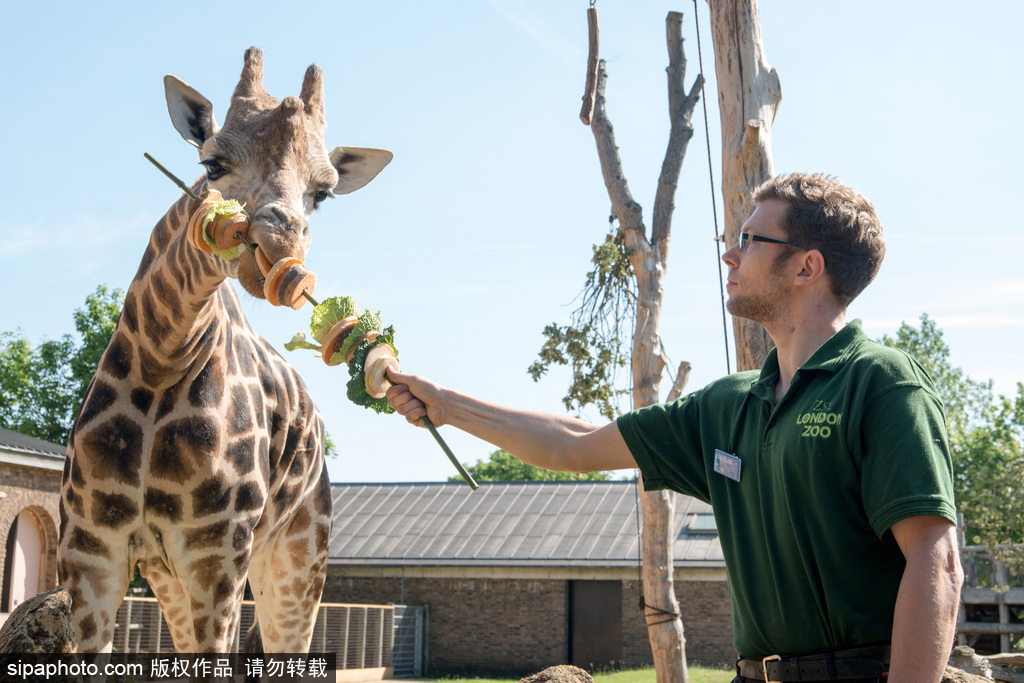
(43, 386)
(503, 466)
(986, 436)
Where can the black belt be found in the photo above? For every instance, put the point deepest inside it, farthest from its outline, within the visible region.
(853, 663)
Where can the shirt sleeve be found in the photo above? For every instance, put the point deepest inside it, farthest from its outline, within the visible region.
(665, 442)
(906, 465)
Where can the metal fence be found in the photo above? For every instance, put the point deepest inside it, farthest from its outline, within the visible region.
(362, 636)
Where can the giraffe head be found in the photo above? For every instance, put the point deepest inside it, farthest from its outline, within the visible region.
(270, 155)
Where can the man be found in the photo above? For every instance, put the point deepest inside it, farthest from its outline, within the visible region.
(829, 471)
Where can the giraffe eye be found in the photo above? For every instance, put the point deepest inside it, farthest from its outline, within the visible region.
(214, 170)
(320, 196)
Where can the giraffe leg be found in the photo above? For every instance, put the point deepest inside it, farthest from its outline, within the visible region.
(287, 579)
(96, 574)
(175, 607)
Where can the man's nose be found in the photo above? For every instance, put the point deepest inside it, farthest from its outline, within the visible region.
(731, 256)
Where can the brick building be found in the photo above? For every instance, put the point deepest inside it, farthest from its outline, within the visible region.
(30, 472)
(519, 576)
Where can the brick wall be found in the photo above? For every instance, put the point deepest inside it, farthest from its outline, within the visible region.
(520, 626)
(38, 492)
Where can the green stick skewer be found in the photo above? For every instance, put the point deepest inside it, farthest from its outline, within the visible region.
(174, 178)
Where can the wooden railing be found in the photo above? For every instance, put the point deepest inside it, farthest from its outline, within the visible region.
(988, 582)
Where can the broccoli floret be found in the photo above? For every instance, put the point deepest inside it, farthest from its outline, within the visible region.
(367, 322)
(356, 388)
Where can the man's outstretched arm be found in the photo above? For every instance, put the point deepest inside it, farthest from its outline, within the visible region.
(554, 442)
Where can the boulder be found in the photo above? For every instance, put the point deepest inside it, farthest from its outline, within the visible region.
(40, 625)
(559, 674)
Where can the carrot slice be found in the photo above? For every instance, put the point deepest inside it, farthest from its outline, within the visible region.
(331, 338)
(274, 278)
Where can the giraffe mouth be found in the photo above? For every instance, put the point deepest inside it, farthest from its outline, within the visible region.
(286, 282)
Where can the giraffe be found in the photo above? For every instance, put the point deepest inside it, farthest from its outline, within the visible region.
(197, 454)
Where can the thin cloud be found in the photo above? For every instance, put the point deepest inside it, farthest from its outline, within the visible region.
(537, 28)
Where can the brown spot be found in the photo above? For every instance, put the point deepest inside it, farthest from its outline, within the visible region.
(87, 543)
(240, 415)
(323, 534)
(248, 496)
(257, 406)
(117, 359)
(113, 510)
(208, 536)
(88, 627)
(204, 571)
(300, 522)
(142, 399)
(167, 401)
(298, 552)
(116, 447)
(243, 355)
(178, 445)
(99, 397)
(200, 625)
(240, 455)
(211, 496)
(207, 388)
(163, 504)
(323, 501)
(129, 312)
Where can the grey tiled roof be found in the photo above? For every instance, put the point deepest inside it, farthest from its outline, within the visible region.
(532, 524)
(13, 442)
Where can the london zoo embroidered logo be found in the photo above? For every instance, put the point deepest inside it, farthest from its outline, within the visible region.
(819, 421)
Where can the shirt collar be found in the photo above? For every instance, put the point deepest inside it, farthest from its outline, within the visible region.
(829, 357)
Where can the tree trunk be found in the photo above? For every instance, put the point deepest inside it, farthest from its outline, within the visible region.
(748, 97)
(649, 259)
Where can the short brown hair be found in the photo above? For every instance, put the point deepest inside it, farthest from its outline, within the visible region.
(826, 215)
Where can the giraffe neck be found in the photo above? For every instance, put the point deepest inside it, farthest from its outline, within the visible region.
(178, 307)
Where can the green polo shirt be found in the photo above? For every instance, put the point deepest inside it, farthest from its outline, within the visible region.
(858, 443)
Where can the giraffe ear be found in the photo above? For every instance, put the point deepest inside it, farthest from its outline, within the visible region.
(191, 113)
(357, 166)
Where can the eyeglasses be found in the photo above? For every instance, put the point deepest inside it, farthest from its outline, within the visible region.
(746, 238)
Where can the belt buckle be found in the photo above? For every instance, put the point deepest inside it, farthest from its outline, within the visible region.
(764, 665)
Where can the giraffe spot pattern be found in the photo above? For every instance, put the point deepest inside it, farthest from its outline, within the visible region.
(87, 543)
(117, 359)
(163, 504)
(113, 510)
(240, 454)
(211, 496)
(117, 449)
(98, 398)
(181, 443)
(240, 416)
(209, 536)
(142, 399)
(207, 388)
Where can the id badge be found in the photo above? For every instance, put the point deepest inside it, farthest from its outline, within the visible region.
(727, 465)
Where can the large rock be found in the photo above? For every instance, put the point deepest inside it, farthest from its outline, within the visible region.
(559, 674)
(41, 625)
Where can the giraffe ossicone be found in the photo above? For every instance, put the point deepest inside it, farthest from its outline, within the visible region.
(198, 455)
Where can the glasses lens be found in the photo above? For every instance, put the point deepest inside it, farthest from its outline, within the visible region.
(744, 241)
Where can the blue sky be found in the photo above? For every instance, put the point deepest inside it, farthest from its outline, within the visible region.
(479, 232)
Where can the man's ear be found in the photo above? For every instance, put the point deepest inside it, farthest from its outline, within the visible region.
(191, 113)
(357, 166)
(812, 267)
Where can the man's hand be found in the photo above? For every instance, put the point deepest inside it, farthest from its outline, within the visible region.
(415, 398)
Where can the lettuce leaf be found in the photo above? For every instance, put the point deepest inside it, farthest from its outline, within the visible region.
(330, 311)
(227, 207)
(367, 322)
(299, 341)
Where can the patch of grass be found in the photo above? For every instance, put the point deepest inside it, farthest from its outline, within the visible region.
(697, 674)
